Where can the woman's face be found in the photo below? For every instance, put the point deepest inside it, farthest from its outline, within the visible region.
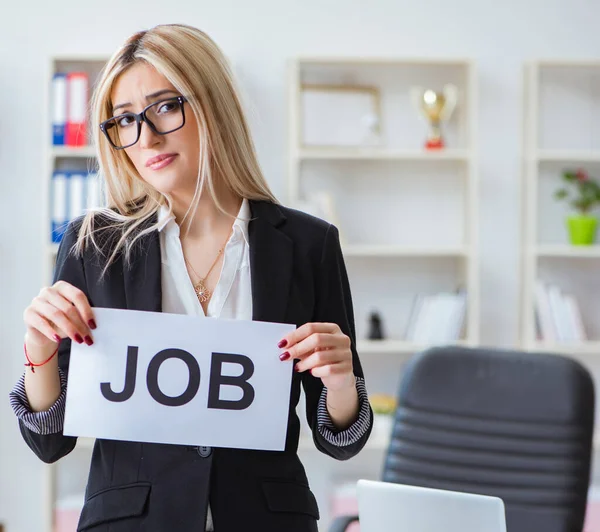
(177, 174)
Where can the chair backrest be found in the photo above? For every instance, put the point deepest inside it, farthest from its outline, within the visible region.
(509, 424)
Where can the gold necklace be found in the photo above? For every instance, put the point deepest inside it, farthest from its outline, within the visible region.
(202, 291)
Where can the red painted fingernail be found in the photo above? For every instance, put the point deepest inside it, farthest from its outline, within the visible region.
(56, 338)
(296, 368)
(92, 324)
(284, 356)
(282, 344)
(88, 340)
(78, 339)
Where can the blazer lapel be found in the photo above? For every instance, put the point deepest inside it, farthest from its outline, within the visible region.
(271, 256)
(142, 279)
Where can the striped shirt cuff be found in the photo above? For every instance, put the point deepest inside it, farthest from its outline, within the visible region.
(355, 431)
(46, 422)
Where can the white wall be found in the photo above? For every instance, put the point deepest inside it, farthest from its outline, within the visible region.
(259, 36)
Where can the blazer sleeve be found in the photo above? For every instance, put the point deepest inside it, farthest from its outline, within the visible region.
(43, 422)
(333, 304)
(51, 446)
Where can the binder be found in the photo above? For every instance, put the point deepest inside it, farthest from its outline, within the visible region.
(59, 108)
(93, 193)
(76, 195)
(77, 101)
(59, 205)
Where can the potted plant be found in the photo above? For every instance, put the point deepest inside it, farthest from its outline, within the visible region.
(582, 193)
(384, 408)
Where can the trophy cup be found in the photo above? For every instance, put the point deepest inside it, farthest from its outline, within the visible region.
(437, 107)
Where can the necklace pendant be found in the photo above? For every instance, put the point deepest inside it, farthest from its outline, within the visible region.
(202, 292)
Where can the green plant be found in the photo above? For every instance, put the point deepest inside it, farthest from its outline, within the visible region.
(581, 191)
(383, 404)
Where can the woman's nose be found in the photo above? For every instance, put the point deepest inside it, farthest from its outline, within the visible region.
(148, 137)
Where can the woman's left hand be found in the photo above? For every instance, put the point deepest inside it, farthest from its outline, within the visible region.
(323, 349)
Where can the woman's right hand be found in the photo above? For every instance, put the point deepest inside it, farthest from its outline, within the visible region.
(58, 311)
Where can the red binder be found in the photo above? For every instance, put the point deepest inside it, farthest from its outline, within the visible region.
(77, 103)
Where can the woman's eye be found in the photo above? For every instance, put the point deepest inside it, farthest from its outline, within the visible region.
(125, 121)
(166, 107)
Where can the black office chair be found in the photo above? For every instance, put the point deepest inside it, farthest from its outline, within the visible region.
(505, 423)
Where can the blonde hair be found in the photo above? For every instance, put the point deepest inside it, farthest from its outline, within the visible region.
(197, 68)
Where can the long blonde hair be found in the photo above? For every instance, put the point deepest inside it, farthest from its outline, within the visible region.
(198, 69)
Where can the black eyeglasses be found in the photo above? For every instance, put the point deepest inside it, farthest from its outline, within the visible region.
(162, 117)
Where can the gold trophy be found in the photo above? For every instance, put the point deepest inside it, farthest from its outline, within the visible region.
(437, 107)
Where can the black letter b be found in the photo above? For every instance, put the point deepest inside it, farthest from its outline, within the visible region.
(217, 380)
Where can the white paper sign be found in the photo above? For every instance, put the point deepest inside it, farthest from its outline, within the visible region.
(198, 381)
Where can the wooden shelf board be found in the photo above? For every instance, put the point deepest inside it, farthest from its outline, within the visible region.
(353, 250)
(368, 347)
(568, 156)
(382, 154)
(566, 251)
(564, 348)
(70, 151)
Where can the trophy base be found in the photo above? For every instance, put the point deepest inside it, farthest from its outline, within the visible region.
(434, 144)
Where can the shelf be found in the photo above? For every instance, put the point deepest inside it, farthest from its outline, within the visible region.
(571, 62)
(383, 61)
(578, 348)
(375, 153)
(566, 251)
(375, 347)
(71, 151)
(569, 156)
(401, 251)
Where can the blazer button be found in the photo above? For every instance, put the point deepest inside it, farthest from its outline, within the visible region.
(204, 452)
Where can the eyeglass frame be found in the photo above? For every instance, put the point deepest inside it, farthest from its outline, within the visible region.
(141, 117)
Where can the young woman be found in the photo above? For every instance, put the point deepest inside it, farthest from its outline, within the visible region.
(192, 227)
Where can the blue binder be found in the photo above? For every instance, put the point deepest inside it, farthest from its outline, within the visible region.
(59, 108)
(59, 204)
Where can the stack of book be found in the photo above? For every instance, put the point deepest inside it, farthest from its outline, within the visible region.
(558, 316)
(437, 318)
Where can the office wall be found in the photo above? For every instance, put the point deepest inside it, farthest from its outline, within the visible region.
(259, 36)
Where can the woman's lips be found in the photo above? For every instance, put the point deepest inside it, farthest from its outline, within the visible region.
(163, 162)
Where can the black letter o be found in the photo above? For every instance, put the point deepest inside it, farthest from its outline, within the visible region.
(152, 377)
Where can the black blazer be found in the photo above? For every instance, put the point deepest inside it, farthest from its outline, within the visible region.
(298, 276)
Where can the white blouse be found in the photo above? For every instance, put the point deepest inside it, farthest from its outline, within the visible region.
(232, 297)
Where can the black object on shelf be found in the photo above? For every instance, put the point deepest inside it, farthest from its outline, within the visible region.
(375, 327)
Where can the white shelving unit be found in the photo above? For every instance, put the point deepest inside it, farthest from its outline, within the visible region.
(561, 131)
(65, 480)
(416, 231)
(340, 164)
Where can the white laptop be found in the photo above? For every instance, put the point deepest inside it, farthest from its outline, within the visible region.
(387, 507)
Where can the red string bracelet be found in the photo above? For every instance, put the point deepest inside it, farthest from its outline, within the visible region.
(33, 365)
